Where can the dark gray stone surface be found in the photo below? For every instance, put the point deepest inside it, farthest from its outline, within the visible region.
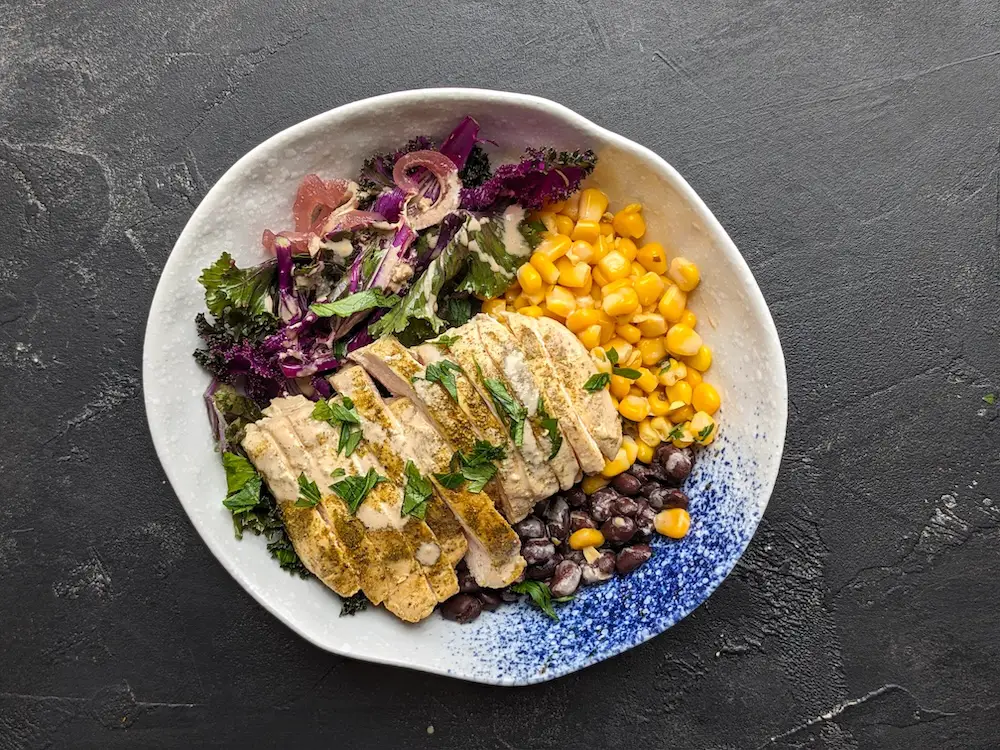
(851, 149)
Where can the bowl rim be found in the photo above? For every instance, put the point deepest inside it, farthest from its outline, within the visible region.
(723, 242)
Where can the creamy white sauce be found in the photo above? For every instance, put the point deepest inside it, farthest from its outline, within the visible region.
(513, 240)
(387, 516)
(474, 224)
(341, 248)
(402, 272)
(428, 553)
(516, 371)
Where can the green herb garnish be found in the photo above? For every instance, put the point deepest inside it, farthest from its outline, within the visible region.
(417, 492)
(309, 496)
(350, 605)
(597, 382)
(444, 341)
(677, 433)
(353, 490)
(477, 467)
(706, 431)
(551, 426)
(354, 303)
(512, 411)
(443, 373)
(345, 417)
(541, 595)
(990, 398)
(612, 355)
(626, 372)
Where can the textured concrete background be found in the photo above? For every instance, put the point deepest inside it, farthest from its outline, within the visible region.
(851, 149)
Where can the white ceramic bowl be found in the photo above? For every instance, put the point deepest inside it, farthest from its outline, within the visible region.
(517, 644)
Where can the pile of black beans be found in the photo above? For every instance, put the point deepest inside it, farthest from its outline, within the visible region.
(623, 511)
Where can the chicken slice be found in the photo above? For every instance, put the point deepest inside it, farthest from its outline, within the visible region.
(521, 353)
(574, 367)
(378, 426)
(494, 555)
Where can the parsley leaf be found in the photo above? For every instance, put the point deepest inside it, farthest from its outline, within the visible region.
(353, 303)
(512, 411)
(612, 355)
(540, 594)
(990, 398)
(344, 416)
(417, 492)
(443, 372)
(597, 382)
(706, 431)
(309, 496)
(351, 605)
(353, 490)
(626, 372)
(444, 341)
(551, 426)
(677, 433)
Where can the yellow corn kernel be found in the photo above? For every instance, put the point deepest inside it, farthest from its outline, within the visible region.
(650, 325)
(537, 298)
(564, 224)
(614, 266)
(647, 435)
(622, 348)
(620, 387)
(672, 372)
(581, 252)
(560, 301)
(634, 360)
(684, 273)
(682, 414)
(662, 427)
(615, 466)
(614, 402)
(576, 276)
(532, 311)
(705, 398)
(602, 247)
(555, 207)
(653, 257)
(554, 247)
(548, 218)
(629, 222)
(521, 302)
(626, 247)
(593, 204)
(682, 436)
(633, 407)
(673, 522)
(637, 392)
(590, 485)
(628, 332)
(704, 428)
(607, 325)
(590, 336)
(688, 318)
(614, 286)
(702, 360)
(512, 291)
(658, 404)
(644, 453)
(628, 444)
(649, 287)
(545, 267)
(607, 230)
(652, 350)
(620, 302)
(600, 358)
(680, 391)
(598, 276)
(579, 319)
(494, 306)
(572, 207)
(646, 381)
(588, 231)
(529, 278)
(682, 341)
(694, 378)
(586, 538)
(672, 304)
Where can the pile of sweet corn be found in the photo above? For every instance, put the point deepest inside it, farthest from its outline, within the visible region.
(627, 303)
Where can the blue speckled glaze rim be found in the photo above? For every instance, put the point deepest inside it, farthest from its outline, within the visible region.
(744, 470)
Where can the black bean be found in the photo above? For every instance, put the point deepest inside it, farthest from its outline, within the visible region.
(644, 523)
(632, 557)
(558, 517)
(466, 583)
(491, 599)
(576, 556)
(643, 472)
(657, 497)
(677, 462)
(576, 497)
(462, 608)
(580, 519)
(540, 507)
(618, 529)
(626, 483)
(509, 596)
(531, 527)
(602, 504)
(535, 551)
(626, 506)
(565, 579)
(601, 569)
(543, 570)
(676, 499)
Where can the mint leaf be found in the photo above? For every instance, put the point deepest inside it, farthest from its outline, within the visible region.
(354, 303)
(626, 372)
(443, 342)
(239, 471)
(343, 416)
(477, 467)
(597, 382)
(551, 426)
(450, 481)
(246, 498)
(511, 410)
(353, 490)
(309, 496)
(416, 493)
(443, 372)
(612, 355)
(540, 594)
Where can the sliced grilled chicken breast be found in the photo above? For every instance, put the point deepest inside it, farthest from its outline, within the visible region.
(574, 366)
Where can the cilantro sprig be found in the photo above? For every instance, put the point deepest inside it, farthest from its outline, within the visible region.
(541, 596)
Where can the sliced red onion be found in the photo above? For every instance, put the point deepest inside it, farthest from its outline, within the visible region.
(317, 198)
(417, 215)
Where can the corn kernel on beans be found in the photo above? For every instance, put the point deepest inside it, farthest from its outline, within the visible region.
(596, 272)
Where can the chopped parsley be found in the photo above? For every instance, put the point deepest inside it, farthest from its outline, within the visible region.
(354, 303)
(597, 382)
(477, 467)
(416, 493)
(541, 595)
(509, 408)
(551, 426)
(677, 433)
(309, 496)
(344, 416)
(353, 490)
(706, 431)
(443, 373)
